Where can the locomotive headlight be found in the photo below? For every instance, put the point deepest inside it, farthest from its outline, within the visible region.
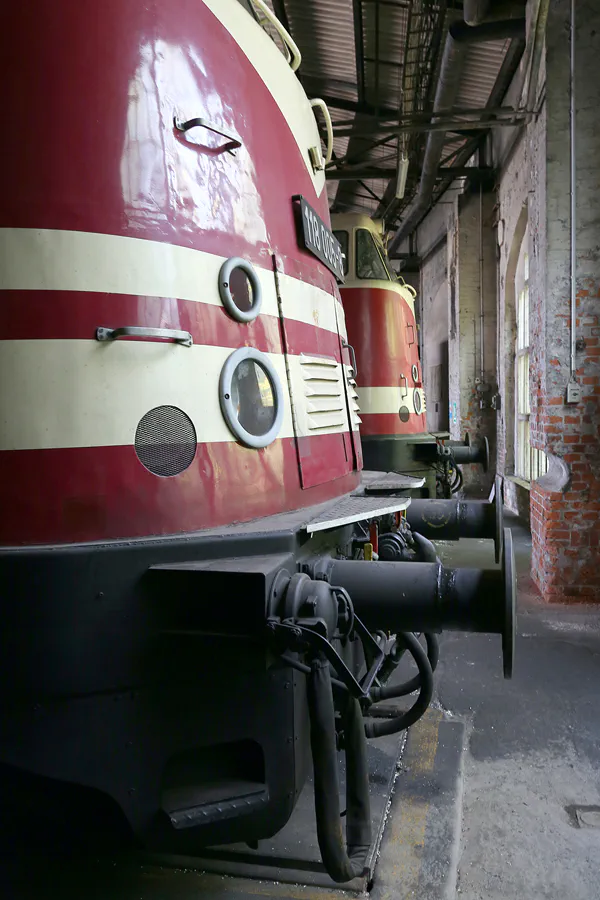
(251, 397)
(417, 401)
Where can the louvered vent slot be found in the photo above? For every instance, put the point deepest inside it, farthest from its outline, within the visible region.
(354, 407)
(324, 392)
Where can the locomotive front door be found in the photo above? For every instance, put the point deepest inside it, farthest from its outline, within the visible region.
(320, 380)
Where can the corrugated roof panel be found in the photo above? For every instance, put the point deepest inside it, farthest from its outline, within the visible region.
(480, 72)
(324, 32)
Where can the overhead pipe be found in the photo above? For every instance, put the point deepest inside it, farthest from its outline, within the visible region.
(460, 35)
(475, 11)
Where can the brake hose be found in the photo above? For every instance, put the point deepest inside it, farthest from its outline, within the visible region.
(342, 864)
(380, 727)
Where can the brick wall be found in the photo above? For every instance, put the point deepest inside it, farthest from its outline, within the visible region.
(565, 519)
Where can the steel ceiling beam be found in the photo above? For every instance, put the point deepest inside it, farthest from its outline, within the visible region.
(460, 35)
(367, 173)
(457, 126)
(358, 49)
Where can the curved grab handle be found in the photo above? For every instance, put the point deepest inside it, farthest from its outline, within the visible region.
(232, 142)
(350, 349)
(412, 328)
(295, 55)
(323, 107)
(405, 394)
(411, 290)
(167, 334)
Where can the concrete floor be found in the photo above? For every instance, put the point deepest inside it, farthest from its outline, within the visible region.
(531, 752)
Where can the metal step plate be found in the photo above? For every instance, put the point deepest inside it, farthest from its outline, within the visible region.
(390, 483)
(355, 508)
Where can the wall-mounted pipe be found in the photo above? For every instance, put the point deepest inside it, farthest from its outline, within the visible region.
(573, 148)
(481, 307)
(459, 37)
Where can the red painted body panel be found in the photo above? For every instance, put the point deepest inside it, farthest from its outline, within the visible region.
(388, 424)
(99, 153)
(105, 156)
(77, 494)
(382, 328)
(74, 315)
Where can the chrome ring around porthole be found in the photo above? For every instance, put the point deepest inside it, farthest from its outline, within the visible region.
(417, 401)
(251, 397)
(415, 373)
(240, 289)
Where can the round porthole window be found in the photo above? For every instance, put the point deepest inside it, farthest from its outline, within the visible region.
(240, 290)
(415, 373)
(417, 402)
(251, 397)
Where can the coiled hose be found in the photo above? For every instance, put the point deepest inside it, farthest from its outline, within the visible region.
(343, 863)
(423, 681)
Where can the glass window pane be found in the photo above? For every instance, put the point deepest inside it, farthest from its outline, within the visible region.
(253, 397)
(369, 263)
(241, 290)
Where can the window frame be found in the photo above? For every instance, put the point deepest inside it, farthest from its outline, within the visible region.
(379, 253)
(530, 463)
(254, 441)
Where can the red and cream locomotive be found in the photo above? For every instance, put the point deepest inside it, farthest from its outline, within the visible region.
(180, 457)
(382, 328)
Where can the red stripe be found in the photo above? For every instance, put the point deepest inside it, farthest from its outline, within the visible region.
(390, 423)
(75, 315)
(110, 160)
(103, 493)
(382, 329)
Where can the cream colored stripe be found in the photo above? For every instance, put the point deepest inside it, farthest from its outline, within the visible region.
(388, 399)
(274, 71)
(86, 394)
(53, 260)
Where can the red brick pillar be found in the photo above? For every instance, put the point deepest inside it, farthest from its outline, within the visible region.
(565, 524)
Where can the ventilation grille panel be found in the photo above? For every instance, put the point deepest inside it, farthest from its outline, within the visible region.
(354, 407)
(324, 392)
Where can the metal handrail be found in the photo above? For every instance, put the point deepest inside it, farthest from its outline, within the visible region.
(320, 104)
(290, 44)
(160, 334)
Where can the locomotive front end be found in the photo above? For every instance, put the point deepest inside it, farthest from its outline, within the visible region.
(382, 327)
(188, 610)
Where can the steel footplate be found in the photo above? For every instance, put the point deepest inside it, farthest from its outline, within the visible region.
(356, 508)
(391, 483)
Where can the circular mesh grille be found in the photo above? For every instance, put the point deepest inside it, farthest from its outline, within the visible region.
(165, 440)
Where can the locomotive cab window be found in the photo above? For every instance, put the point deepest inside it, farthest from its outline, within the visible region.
(369, 261)
(251, 397)
(342, 237)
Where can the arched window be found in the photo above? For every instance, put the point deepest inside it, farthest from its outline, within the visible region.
(529, 462)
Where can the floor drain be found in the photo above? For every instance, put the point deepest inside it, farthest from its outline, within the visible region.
(584, 816)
